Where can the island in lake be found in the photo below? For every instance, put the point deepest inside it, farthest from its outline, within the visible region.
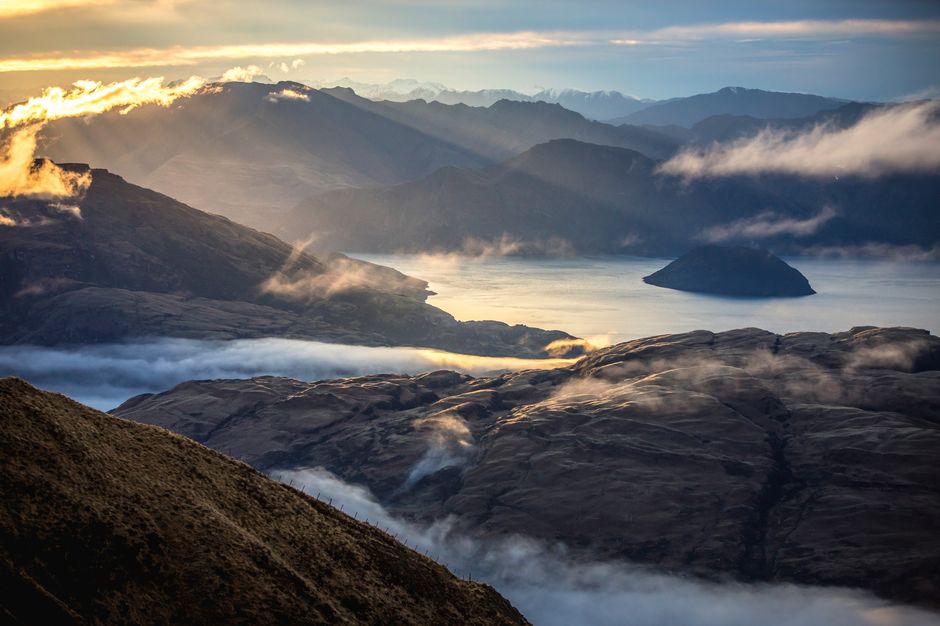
(732, 271)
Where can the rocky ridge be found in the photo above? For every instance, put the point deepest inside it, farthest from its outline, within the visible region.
(805, 457)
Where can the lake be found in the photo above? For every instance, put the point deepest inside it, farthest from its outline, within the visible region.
(605, 298)
(602, 299)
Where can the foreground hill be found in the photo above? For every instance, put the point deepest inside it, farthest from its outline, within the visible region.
(605, 199)
(805, 457)
(110, 522)
(730, 101)
(125, 262)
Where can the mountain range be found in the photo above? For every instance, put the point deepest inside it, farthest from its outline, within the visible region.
(594, 105)
(123, 261)
(589, 198)
(609, 106)
(758, 103)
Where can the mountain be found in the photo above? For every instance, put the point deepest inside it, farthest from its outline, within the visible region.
(601, 199)
(250, 151)
(595, 105)
(508, 127)
(806, 457)
(730, 101)
(726, 128)
(124, 261)
(110, 522)
(247, 152)
(732, 271)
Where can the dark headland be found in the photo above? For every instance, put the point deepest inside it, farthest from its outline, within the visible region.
(732, 271)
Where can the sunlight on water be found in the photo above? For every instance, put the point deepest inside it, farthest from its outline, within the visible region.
(605, 298)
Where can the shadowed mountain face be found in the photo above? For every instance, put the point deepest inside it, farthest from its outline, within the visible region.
(732, 271)
(106, 521)
(806, 457)
(128, 262)
(603, 199)
(249, 152)
(730, 101)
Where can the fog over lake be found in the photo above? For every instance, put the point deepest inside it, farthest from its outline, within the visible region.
(605, 297)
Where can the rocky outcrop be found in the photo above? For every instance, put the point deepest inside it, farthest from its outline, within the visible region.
(110, 522)
(732, 271)
(805, 457)
(124, 262)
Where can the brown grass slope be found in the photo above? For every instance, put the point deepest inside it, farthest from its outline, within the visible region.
(108, 521)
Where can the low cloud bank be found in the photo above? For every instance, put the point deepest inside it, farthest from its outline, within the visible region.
(900, 138)
(551, 588)
(769, 224)
(105, 376)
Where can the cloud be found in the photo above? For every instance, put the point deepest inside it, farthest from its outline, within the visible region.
(472, 42)
(335, 275)
(240, 74)
(551, 588)
(793, 28)
(505, 245)
(178, 55)
(769, 224)
(21, 175)
(876, 250)
(899, 138)
(106, 375)
(287, 94)
(450, 444)
(18, 8)
(89, 97)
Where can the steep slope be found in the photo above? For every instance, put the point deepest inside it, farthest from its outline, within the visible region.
(124, 262)
(732, 271)
(805, 457)
(730, 101)
(110, 522)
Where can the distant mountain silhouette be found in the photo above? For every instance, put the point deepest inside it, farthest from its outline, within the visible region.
(603, 199)
(730, 101)
(140, 264)
(595, 105)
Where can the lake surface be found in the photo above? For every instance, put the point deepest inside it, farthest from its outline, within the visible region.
(605, 298)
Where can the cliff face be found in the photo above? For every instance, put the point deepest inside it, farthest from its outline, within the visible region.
(805, 457)
(106, 521)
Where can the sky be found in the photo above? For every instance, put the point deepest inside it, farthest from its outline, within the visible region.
(857, 49)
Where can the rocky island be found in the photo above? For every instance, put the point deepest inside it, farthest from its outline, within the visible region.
(732, 271)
